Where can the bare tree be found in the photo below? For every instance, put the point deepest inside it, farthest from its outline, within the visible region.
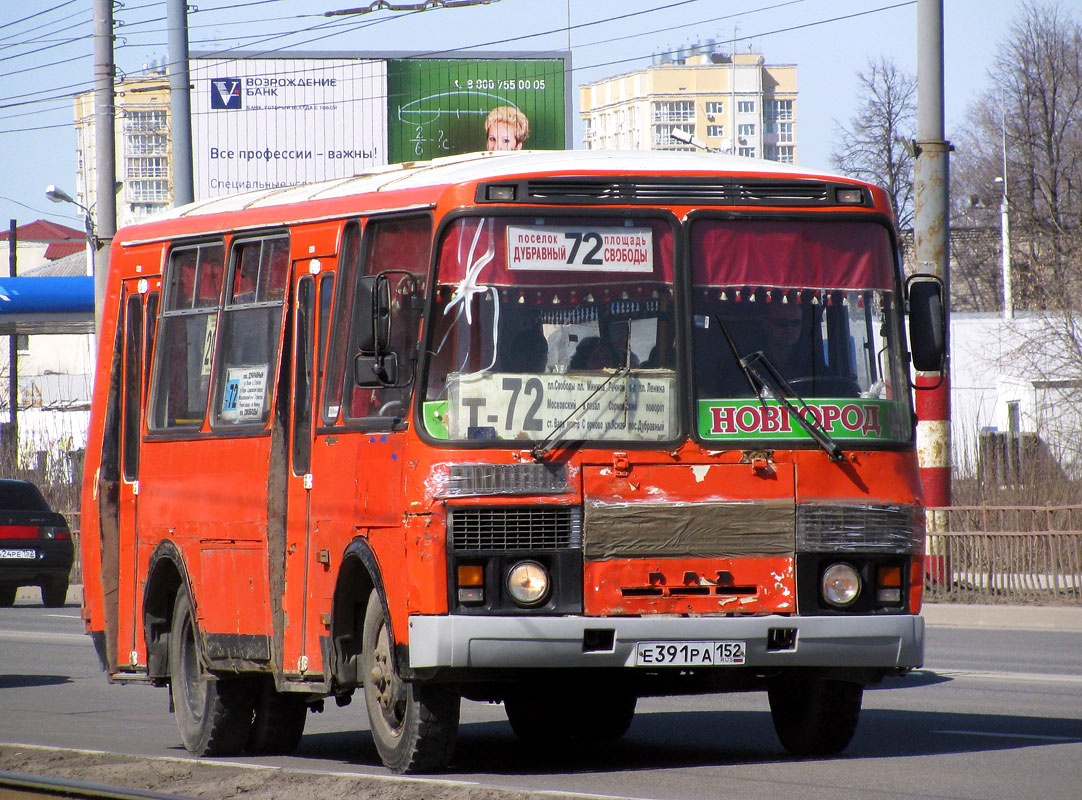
(1030, 122)
(872, 147)
(1023, 137)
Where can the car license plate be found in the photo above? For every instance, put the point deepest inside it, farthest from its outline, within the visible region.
(689, 654)
(8, 553)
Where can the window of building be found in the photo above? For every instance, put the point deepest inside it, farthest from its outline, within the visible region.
(147, 191)
(716, 131)
(780, 153)
(745, 129)
(662, 139)
(783, 130)
(749, 152)
(745, 106)
(674, 111)
(150, 167)
(147, 144)
(778, 110)
(715, 107)
(144, 210)
(135, 121)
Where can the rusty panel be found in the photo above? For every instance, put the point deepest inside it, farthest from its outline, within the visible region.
(237, 571)
(690, 586)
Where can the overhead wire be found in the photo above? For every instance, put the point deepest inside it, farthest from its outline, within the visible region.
(561, 29)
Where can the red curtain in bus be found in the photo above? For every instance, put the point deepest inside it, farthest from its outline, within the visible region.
(809, 254)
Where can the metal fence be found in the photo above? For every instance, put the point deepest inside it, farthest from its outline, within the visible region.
(1005, 554)
(1009, 554)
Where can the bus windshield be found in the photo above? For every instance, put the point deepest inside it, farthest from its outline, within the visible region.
(816, 301)
(553, 327)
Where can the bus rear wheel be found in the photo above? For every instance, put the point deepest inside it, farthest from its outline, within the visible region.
(815, 716)
(413, 725)
(279, 719)
(214, 714)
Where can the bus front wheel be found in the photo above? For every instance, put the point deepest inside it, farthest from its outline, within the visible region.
(815, 716)
(413, 725)
(214, 714)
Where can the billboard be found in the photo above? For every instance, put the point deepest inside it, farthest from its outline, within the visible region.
(439, 107)
(261, 123)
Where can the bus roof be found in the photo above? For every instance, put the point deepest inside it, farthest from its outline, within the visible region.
(495, 165)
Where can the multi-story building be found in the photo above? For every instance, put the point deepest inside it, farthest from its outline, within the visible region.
(737, 104)
(143, 147)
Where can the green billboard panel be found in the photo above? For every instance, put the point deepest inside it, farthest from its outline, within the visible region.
(441, 107)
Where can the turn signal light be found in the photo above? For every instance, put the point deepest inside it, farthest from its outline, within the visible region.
(888, 585)
(471, 582)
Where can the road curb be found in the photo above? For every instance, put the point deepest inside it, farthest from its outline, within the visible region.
(1003, 617)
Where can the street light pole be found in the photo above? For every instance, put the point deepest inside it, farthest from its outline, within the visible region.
(104, 149)
(1005, 228)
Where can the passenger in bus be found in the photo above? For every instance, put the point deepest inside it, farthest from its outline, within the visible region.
(506, 128)
(593, 352)
(528, 352)
(787, 340)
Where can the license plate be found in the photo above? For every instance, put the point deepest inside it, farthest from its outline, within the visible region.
(6, 553)
(689, 654)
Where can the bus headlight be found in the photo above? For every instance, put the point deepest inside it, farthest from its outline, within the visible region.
(528, 583)
(841, 584)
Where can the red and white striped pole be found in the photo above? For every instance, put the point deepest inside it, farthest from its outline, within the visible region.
(931, 234)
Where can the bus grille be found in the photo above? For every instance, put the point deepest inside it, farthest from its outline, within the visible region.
(856, 528)
(691, 190)
(517, 528)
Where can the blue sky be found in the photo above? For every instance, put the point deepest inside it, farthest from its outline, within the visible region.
(828, 40)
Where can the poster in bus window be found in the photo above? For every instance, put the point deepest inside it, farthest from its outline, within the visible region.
(441, 107)
(244, 394)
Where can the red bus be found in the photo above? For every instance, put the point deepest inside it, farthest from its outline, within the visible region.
(559, 430)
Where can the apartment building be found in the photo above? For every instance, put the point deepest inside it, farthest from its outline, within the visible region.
(143, 147)
(732, 103)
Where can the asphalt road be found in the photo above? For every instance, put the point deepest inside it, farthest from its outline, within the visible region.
(996, 713)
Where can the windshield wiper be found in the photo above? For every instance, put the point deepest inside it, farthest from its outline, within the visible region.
(761, 373)
(764, 371)
(540, 449)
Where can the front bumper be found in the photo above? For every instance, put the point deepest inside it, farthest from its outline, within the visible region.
(880, 641)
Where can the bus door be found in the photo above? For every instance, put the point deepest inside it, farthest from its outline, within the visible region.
(304, 567)
(137, 321)
(299, 482)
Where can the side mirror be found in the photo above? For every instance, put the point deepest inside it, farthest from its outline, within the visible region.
(373, 314)
(377, 370)
(927, 322)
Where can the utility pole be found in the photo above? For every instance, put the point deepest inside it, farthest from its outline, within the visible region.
(10, 438)
(931, 232)
(104, 148)
(180, 101)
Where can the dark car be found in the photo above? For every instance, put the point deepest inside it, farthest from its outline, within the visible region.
(35, 545)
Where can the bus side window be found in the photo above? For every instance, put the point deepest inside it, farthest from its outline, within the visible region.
(337, 338)
(251, 331)
(402, 246)
(181, 379)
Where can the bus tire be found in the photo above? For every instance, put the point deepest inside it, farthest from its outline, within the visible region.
(278, 724)
(214, 714)
(413, 725)
(554, 717)
(604, 715)
(538, 717)
(815, 717)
